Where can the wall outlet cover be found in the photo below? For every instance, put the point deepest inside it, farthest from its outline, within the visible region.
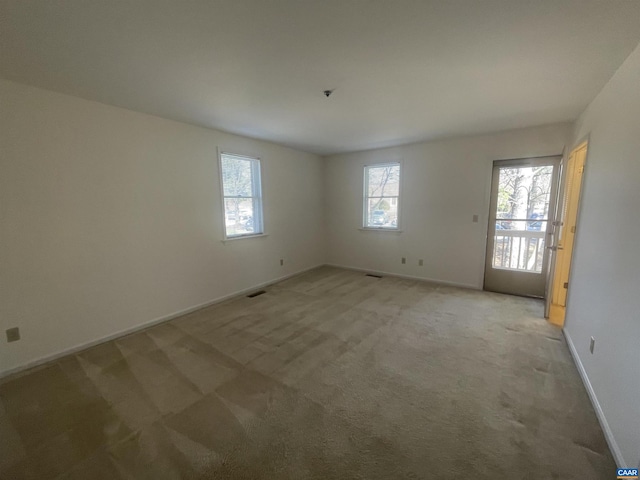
(13, 334)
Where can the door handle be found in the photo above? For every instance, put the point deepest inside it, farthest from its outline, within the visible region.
(553, 248)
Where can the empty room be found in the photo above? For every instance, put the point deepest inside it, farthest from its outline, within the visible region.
(319, 239)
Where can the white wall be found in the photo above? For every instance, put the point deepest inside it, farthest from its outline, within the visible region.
(445, 183)
(111, 218)
(604, 298)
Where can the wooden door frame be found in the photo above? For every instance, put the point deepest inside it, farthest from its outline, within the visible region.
(555, 319)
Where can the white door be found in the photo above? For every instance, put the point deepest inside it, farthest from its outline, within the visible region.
(522, 195)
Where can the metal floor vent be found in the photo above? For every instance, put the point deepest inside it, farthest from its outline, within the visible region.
(372, 275)
(255, 294)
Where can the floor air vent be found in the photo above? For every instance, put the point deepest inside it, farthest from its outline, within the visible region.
(255, 294)
(372, 275)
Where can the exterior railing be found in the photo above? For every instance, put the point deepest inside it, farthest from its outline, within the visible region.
(518, 250)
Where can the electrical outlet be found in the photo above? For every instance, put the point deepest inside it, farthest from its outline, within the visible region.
(475, 219)
(404, 260)
(420, 262)
(13, 334)
(592, 344)
(281, 261)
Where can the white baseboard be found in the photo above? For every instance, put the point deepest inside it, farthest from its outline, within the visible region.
(409, 277)
(127, 331)
(608, 434)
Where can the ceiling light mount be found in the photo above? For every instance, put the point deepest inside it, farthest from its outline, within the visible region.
(327, 93)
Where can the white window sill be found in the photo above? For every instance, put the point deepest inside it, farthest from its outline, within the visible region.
(373, 229)
(244, 237)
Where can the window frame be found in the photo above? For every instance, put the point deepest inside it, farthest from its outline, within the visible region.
(366, 197)
(257, 195)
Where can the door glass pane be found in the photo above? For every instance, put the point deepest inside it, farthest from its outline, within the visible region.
(522, 217)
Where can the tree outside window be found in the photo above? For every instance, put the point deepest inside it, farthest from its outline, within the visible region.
(381, 196)
(242, 195)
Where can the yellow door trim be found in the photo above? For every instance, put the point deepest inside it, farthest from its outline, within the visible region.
(566, 237)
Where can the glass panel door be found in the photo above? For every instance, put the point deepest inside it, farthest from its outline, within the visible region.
(521, 194)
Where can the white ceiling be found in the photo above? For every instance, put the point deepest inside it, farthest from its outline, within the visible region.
(402, 70)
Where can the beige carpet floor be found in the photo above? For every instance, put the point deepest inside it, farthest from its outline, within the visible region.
(328, 375)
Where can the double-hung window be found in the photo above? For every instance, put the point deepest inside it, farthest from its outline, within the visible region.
(382, 196)
(241, 195)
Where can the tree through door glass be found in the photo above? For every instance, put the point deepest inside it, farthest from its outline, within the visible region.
(522, 214)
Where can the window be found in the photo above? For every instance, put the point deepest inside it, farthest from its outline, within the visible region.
(381, 196)
(241, 195)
